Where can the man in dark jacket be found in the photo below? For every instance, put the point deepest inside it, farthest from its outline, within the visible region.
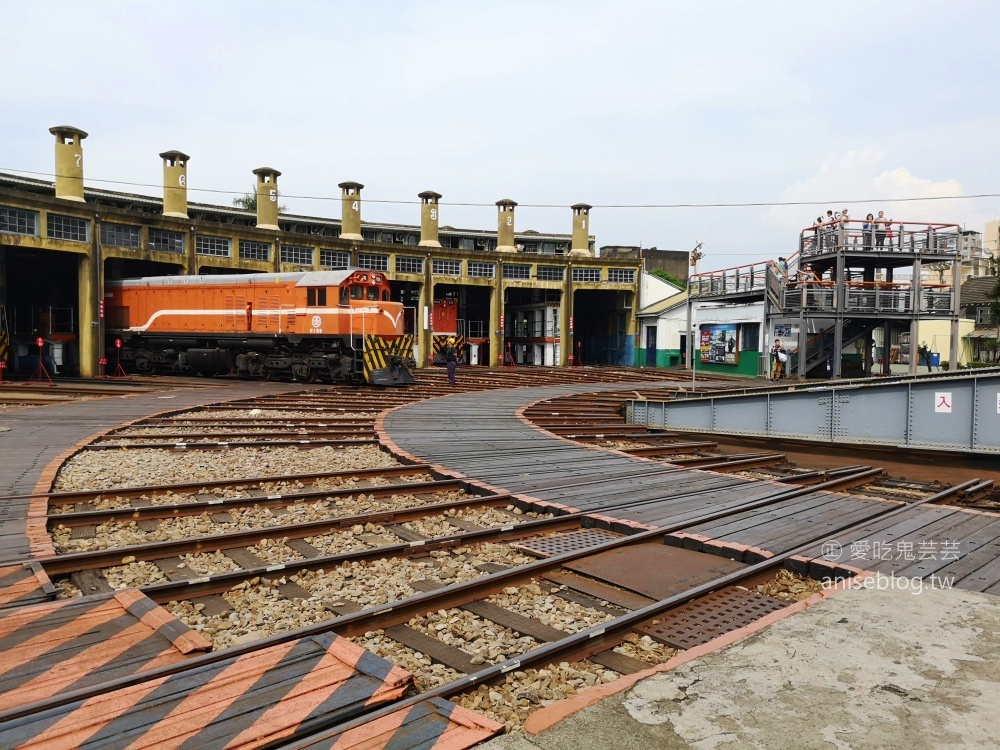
(451, 359)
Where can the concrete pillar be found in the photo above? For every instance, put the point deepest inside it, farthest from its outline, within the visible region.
(429, 218)
(568, 349)
(631, 328)
(496, 335)
(915, 320)
(505, 226)
(267, 197)
(886, 335)
(426, 307)
(69, 162)
(175, 191)
(350, 205)
(803, 344)
(580, 245)
(956, 285)
(88, 293)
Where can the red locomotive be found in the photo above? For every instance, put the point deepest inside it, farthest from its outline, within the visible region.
(309, 326)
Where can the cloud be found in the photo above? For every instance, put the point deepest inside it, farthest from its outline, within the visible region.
(864, 175)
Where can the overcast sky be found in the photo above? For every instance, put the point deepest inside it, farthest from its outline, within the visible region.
(614, 102)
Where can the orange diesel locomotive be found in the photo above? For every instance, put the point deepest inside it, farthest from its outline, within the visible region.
(312, 325)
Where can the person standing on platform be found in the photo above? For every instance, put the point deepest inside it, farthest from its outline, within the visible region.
(451, 360)
(881, 229)
(778, 358)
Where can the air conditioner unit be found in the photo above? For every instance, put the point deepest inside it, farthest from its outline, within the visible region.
(399, 238)
(480, 242)
(560, 246)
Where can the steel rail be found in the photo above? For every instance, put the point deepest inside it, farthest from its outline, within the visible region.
(85, 495)
(194, 445)
(581, 644)
(178, 510)
(420, 603)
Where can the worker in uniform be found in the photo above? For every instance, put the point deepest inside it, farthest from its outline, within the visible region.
(451, 360)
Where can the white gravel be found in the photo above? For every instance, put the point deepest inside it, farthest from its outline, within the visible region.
(137, 467)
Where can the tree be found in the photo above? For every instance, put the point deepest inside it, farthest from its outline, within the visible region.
(249, 201)
(661, 274)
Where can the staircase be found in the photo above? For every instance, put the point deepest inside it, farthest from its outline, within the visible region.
(819, 346)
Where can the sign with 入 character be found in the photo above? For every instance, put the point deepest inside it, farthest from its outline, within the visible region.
(942, 402)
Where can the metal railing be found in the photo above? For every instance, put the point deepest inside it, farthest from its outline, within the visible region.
(750, 277)
(858, 235)
(866, 297)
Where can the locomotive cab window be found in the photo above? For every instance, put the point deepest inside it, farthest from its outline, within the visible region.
(373, 293)
(357, 292)
(316, 296)
(345, 296)
(385, 295)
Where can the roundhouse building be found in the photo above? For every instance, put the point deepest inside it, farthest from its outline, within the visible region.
(507, 295)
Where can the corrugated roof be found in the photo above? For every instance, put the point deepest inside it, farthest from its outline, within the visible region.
(664, 305)
(975, 290)
(101, 193)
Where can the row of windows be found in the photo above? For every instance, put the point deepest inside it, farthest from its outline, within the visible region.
(335, 259)
(479, 269)
(373, 261)
(205, 244)
(297, 254)
(587, 274)
(516, 271)
(120, 235)
(166, 241)
(20, 221)
(621, 275)
(407, 264)
(446, 267)
(253, 250)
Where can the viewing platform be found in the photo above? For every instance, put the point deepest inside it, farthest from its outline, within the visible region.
(846, 279)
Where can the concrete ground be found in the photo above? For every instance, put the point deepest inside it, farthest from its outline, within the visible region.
(886, 670)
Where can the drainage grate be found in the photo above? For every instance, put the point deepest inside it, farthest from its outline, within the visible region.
(702, 620)
(560, 544)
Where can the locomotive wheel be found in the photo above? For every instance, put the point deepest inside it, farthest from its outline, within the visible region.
(270, 375)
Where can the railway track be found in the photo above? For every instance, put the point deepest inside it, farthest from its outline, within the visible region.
(497, 602)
